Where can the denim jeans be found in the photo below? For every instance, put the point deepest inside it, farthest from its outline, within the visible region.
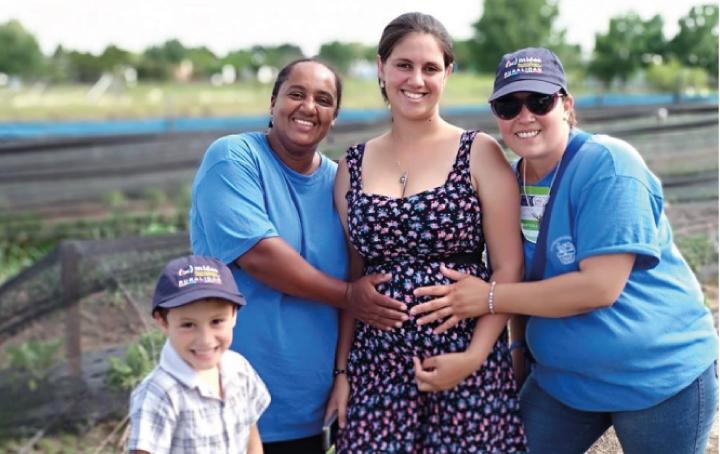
(678, 425)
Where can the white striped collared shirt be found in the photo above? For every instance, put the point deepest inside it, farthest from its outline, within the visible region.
(174, 411)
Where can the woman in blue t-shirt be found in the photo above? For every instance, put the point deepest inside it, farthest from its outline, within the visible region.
(616, 321)
(262, 203)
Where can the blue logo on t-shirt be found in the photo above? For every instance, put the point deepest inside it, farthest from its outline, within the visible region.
(564, 250)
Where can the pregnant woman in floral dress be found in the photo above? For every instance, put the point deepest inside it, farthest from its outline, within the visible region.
(423, 196)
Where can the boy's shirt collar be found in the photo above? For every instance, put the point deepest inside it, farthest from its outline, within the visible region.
(172, 363)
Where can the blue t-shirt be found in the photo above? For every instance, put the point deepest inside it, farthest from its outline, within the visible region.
(658, 337)
(244, 193)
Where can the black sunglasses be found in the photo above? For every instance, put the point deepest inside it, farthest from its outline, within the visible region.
(509, 106)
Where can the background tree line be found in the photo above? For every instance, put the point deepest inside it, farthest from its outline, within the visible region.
(630, 44)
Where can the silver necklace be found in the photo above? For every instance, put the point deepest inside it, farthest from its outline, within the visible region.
(403, 180)
(403, 177)
(524, 188)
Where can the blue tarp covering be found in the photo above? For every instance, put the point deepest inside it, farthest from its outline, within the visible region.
(38, 129)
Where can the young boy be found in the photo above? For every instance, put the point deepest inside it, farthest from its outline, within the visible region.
(201, 397)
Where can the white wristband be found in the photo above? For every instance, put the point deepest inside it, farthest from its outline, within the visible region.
(491, 298)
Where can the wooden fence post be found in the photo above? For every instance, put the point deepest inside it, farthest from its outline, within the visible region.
(70, 260)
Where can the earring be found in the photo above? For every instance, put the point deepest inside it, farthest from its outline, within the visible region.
(382, 83)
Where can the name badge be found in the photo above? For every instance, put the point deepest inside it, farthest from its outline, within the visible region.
(532, 208)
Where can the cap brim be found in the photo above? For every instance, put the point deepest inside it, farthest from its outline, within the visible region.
(535, 86)
(201, 293)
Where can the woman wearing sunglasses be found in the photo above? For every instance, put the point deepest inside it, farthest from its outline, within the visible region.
(616, 322)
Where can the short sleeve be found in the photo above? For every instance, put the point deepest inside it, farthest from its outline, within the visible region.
(230, 201)
(152, 421)
(258, 395)
(618, 214)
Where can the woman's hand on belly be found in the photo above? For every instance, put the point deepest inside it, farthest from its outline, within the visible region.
(365, 303)
(453, 302)
(443, 372)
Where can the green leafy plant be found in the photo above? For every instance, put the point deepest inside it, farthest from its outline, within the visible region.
(33, 358)
(116, 199)
(25, 239)
(141, 358)
(672, 77)
(155, 197)
(698, 250)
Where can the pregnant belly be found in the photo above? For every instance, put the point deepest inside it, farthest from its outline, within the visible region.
(411, 339)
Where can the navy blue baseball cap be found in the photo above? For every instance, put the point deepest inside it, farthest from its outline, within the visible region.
(533, 69)
(191, 278)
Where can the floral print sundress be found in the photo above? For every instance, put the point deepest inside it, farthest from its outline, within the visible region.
(410, 237)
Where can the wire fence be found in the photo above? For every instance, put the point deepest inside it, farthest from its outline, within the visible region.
(78, 294)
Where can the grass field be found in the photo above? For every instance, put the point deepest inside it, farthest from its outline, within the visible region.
(64, 102)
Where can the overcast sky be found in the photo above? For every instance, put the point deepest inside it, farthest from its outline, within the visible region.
(222, 25)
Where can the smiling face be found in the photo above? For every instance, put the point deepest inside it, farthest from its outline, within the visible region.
(303, 109)
(200, 332)
(538, 138)
(414, 75)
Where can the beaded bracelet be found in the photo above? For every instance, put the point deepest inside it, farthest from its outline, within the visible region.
(491, 298)
(337, 372)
